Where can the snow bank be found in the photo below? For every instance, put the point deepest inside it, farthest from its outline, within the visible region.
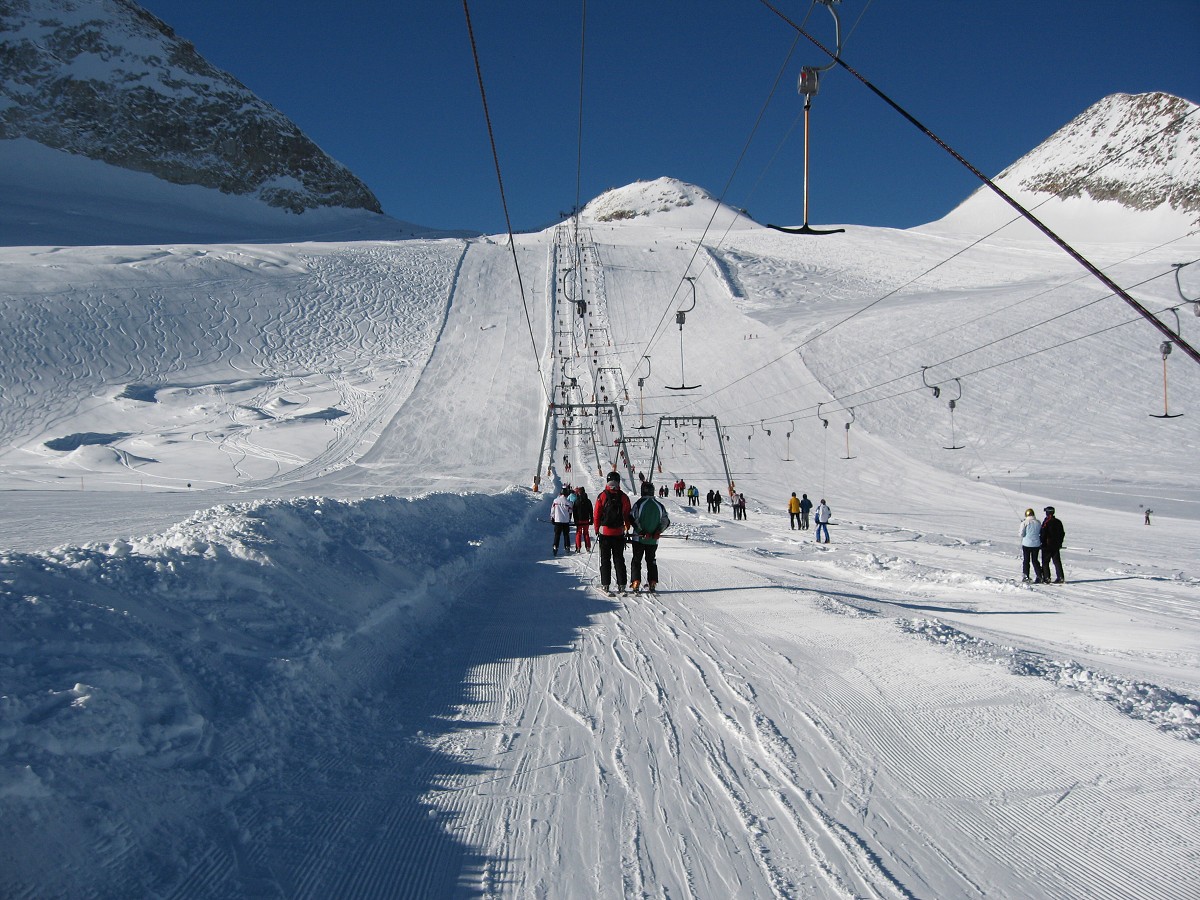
(1164, 708)
(236, 621)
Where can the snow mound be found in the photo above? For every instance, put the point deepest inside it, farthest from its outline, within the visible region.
(667, 201)
(241, 614)
(1166, 709)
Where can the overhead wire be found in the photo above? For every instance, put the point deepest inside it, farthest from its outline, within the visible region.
(1072, 185)
(842, 398)
(1175, 338)
(512, 244)
(656, 333)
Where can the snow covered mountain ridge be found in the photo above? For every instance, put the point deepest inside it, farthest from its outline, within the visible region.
(107, 80)
(1142, 155)
(1128, 165)
(659, 197)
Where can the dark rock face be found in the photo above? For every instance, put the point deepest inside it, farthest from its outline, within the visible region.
(108, 80)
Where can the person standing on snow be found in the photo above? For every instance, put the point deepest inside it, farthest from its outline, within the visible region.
(823, 515)
(1031, 546)
(794, 512)
(717, 502)
(562, 515)
(1053, 535)
(612, 518)
(805, 506)
(583, 520)
(650, 519)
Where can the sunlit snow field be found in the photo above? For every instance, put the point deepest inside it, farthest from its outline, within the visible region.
(280, 617)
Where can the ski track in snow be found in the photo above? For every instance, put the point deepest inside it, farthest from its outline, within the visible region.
(409, 698)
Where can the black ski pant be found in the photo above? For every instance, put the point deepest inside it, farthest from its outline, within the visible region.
(794, 521)
(649, 551)
(1049, 555)
(1029, 556)
(612, 555)
(563, 528)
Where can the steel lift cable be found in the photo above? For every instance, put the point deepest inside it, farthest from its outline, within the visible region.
(1187, 348)
(512, 244)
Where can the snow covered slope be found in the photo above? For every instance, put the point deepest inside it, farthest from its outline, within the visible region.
(1127, 168)
(279, 614)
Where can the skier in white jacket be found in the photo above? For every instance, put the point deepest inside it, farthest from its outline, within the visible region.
(562, 514)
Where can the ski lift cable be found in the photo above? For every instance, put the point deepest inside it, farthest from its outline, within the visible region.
(925, 384)
(931, 269)
(1187, 348)
(1071, 186)
(512, 244)
(880, 356)
(970, 374)
(659, 329)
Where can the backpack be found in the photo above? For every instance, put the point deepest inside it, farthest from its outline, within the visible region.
(612, 514)
(650, 517)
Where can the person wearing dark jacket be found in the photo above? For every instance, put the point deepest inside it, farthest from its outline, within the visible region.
(583, 520)
(1053, 535)
(650, 520)
(612, 519)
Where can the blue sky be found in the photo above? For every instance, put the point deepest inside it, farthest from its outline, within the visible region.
(673, 88)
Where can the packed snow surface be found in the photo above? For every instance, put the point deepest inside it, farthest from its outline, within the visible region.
(279, 614)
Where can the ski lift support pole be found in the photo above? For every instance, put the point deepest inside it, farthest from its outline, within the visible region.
(683, 422)
(537, 475)
(996, 189)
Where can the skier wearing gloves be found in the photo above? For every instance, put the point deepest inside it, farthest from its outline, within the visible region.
(650, 519)
(612, 518)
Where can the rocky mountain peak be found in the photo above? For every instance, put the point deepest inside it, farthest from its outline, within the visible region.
(108, 80)
(1139, 150)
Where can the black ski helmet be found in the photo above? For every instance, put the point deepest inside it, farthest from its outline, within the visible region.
(613, 478)
(647, 489)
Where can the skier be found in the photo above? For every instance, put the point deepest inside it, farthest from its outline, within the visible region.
(709, 498)
(650, 519)
(561, 514)
(1031, 546)
(717, 502)
(794, 512)
(823, 515)
(583, 520)
(741, 506)
(1053, 535)
(805, 506)
(612, 518)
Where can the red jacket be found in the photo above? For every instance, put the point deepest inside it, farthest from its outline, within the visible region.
(598, 513)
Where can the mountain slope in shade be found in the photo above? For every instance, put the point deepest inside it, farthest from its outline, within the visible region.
(1128, 167)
